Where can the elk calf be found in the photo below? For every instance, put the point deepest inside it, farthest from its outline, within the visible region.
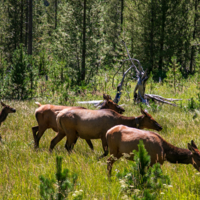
(122, 139)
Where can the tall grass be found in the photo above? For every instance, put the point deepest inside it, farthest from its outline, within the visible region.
(21, 164)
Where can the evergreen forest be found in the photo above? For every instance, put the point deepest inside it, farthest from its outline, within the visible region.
(68, 45)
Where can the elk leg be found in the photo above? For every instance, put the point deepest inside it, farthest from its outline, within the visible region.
(39, 135)
(105, 147)
(110, 162)
(35, 130)
(56, 139)
(71, 141)
(90, 144)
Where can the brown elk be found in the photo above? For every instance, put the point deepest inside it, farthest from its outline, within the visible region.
(4, 112)
(122, 139)
(93, 124)
(46, 117)
(109, 104)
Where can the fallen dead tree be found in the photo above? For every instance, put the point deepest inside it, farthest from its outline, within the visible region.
(139, 91)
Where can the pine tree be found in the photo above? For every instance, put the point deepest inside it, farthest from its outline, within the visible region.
(142, 181)
(174, 76)
(63, 180)
(19, 74)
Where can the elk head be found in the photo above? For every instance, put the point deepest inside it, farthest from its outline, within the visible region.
(147, 121)
(7, 108)
(109, 104)
(195, 155)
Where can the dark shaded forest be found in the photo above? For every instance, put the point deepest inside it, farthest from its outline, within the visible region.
(72, 42)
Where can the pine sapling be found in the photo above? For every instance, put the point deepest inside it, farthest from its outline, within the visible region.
(59, 187)
(142, 181)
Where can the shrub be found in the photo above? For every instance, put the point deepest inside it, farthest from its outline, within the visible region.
(59, 187)
(142, 181)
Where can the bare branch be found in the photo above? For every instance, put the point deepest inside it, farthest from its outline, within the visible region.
(130, 57)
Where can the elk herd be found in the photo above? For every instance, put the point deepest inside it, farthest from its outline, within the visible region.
(119, 134)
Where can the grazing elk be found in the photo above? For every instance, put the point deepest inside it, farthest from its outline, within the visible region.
(4, 113)
(46, 117)
(122, 139)
(93, 124)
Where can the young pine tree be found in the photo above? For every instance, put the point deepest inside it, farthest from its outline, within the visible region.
(142, 181)
(59, 187)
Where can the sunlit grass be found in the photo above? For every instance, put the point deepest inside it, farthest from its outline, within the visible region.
(21, 164)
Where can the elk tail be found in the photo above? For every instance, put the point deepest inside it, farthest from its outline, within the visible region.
(38, 104)
(58, 122)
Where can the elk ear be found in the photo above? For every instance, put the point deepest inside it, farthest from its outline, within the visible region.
(193, 144)
(3, 104)
(190, 148)
(106, 97)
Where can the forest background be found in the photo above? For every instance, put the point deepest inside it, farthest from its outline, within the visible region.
(70, 45)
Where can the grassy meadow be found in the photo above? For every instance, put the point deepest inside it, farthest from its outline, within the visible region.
(21, 164)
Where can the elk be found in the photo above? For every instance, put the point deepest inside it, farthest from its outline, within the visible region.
(122, 139)
(109, 104)
(46, 117)
(93, 124)
(4, 112)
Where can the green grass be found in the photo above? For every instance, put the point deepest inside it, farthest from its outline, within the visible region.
(21, 164)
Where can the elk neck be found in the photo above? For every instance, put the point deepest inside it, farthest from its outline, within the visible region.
(176, 155)
(130, 121)
(3, 115)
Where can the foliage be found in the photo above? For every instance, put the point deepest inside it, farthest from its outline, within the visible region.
(174, 76)
(154, 33)
(22, 74)
(60, 187)
(142, 181)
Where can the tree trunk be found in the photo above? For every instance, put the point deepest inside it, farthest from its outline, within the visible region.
(21, 24)
(26, 33)
(194, 36)
(56, 8)
(30, 38)
(162, 36)
(122, 10)
(84, 43)
(152, 36)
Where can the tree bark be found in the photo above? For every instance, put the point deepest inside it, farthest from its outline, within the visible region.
(84, 43)
(162, 36)
(21, 23)
(194, 36)
(122, 10)
(56, 8)
(152, 36)
(26, 33)
(30, 24)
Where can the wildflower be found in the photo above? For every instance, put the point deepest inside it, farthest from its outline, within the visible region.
(125, 197)
(126, 155)
(162, 193)
(136, 191)
(170, 186)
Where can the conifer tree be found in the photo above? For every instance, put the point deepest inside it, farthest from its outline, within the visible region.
(63, 180)
(142, 181)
